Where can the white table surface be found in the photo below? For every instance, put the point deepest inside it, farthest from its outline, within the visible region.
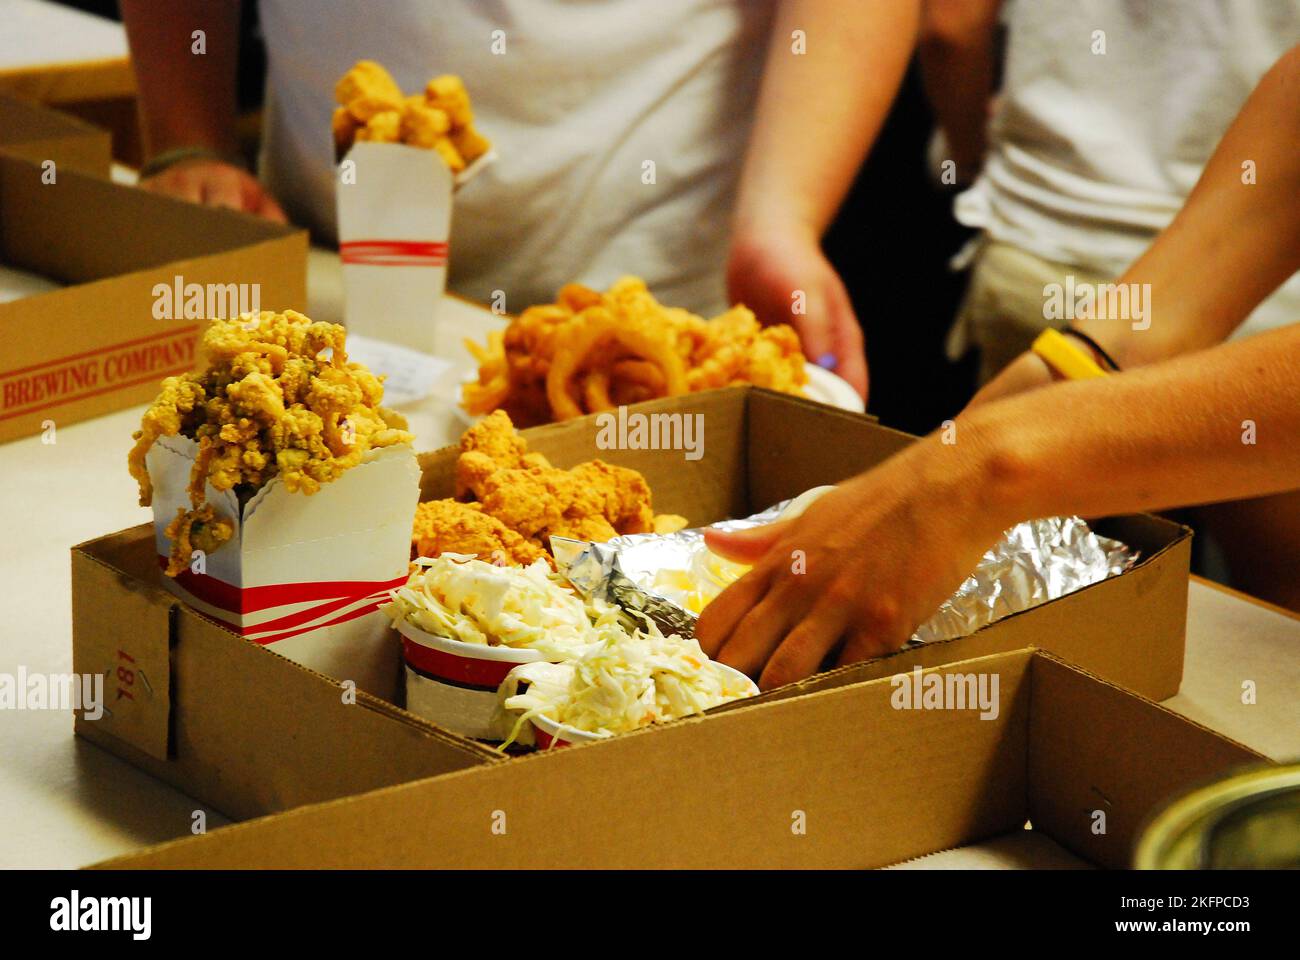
(39, 33)
(66, 803)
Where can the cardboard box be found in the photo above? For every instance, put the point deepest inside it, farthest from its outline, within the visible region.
(839, 778)
(760, 447)
(139, 273)
(37, 134)
(227, 721)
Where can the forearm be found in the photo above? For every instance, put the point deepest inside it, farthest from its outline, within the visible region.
(958, 65)
(820, 110)
(186, 98)
(1215, 425)
(1233, 243)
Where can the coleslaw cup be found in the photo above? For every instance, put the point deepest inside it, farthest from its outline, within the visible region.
(550, 734)
(453, 683)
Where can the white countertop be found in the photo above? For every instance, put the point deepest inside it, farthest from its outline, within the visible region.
(39, 33)
(65, 803)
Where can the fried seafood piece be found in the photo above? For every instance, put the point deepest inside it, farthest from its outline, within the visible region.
(469, 143)
(423, 125)
(532, 502)
(448, 94)
(173, 410)
(277, 397)
(619, 494)
(594, 501)
(201, 529)
(443, 526)
(368, 89)
(490, 445)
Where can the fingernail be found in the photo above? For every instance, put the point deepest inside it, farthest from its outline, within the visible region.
(827, 361)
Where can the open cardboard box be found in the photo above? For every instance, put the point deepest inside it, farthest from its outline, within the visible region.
(96, 344)
(250, 733)
(35, 133)
(841, 777)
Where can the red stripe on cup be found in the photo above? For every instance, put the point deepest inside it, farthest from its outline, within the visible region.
(545, 741)
(394, 253)
(467, 671)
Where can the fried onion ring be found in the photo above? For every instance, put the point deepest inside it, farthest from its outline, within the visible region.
(597, 328)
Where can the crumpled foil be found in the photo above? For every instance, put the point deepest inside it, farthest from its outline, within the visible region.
(1034, 562)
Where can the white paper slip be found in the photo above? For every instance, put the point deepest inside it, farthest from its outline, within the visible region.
(410, 374)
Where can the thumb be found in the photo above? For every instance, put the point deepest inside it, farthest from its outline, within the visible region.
(745, 546)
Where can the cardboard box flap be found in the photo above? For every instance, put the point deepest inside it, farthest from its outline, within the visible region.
(38, 134)
(1102, 760)
(797, 784)
(849, 777)
(35, 236)
(788, 451)
(257, 733)
(130, 647)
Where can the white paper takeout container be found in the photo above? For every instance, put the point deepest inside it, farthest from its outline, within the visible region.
(302, 574)
(394, 227)
(454, 684)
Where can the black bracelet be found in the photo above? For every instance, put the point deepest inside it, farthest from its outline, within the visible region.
(169, 158)
(1097, 347)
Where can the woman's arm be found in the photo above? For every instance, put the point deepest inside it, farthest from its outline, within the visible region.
(1235, 240)
(958, 58)
(186, 88)
(884, 550)
(825, 95)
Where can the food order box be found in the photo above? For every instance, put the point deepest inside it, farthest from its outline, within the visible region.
(104, 287)
(249, 732)
(864, 775)
(31, 131)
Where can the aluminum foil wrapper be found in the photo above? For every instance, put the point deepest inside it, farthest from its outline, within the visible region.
(1035, 561)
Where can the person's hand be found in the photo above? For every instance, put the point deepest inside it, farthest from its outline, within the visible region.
(216, 184)
(858, 572)
(767, 271)
(1027, 372)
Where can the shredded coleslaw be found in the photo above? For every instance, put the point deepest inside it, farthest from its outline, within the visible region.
(466, 599)
(623, 684)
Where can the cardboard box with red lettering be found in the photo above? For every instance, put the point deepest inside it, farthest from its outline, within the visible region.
(103, 287)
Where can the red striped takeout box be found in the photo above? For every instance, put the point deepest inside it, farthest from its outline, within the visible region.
(394, 228)
(303, 574)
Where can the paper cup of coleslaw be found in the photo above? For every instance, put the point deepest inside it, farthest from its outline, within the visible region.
(549, 734)
(454, 684)
(465, 624)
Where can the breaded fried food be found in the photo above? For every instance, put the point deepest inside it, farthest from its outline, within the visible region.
(367, 89)
(372, 107)
(277, 398)
(620, 494)
(448, 526)
(590, 352)
(594, 501)
(198, 529)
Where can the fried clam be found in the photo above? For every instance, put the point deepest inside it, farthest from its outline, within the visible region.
(277, 398)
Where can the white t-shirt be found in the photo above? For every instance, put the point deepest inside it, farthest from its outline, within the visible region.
(1092, 154)
(586, 92)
